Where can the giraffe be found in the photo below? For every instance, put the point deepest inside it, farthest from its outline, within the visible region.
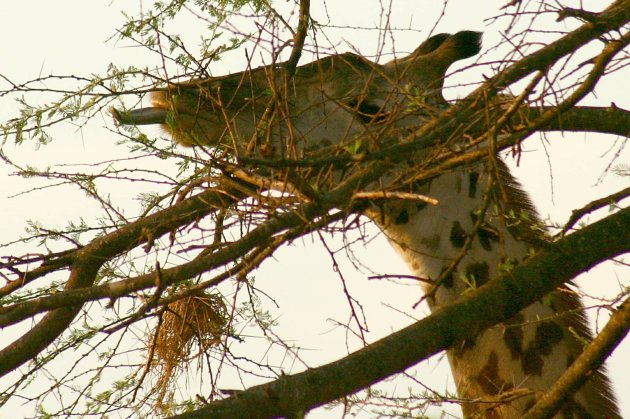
(484, 222)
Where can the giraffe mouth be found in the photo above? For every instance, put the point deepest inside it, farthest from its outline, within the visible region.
(143, 116)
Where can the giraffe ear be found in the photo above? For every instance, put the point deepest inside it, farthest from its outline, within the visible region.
(466, 44)
(426, 67)
(449, 48)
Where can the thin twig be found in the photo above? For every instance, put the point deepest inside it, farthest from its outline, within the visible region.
(395, 195)
(576, 215)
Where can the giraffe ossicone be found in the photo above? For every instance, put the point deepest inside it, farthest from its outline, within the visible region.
(483, 224)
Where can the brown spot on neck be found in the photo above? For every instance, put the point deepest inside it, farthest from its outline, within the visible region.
(473, 178)
(513, 335)
(402, 217)
(548, 334)
(447, 280)
(478, 273)
(486, 235)
(489, 379)
(458, 235)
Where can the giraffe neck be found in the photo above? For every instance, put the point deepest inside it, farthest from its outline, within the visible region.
(531, 350)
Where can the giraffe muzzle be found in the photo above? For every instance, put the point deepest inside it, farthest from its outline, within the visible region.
(143, 116)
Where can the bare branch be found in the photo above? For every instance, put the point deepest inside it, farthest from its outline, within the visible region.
(593, 206)
(299, 38)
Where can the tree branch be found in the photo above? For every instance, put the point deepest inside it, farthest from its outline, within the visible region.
(557, 263)
(612, 18)
(610, 120)
(299, 38)
(263, 235)
(593, 206)
(88, 260)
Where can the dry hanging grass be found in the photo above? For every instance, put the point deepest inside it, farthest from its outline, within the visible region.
(199, 318)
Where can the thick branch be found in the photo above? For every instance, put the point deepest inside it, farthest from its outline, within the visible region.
(263, 235)
(610, 120)
(558, 263)
(611, 199)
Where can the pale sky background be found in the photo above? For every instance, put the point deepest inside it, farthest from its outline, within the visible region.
(67, 37)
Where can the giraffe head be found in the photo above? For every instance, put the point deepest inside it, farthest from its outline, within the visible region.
(335, 101)
(328, 102)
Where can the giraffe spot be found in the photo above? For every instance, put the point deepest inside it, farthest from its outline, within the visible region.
(489, 379)
(367, 112)
(513, 335)
(462, 347)
(421, 205)
(473, 178)
(458, 235)
(449, 280)
(402, 218)
(479, 271)
(532, 361)
(548, 334)
(487, 234)
(431, 242)
(573, 410)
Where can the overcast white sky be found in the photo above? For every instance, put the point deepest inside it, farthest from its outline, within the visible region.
(71, 37)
